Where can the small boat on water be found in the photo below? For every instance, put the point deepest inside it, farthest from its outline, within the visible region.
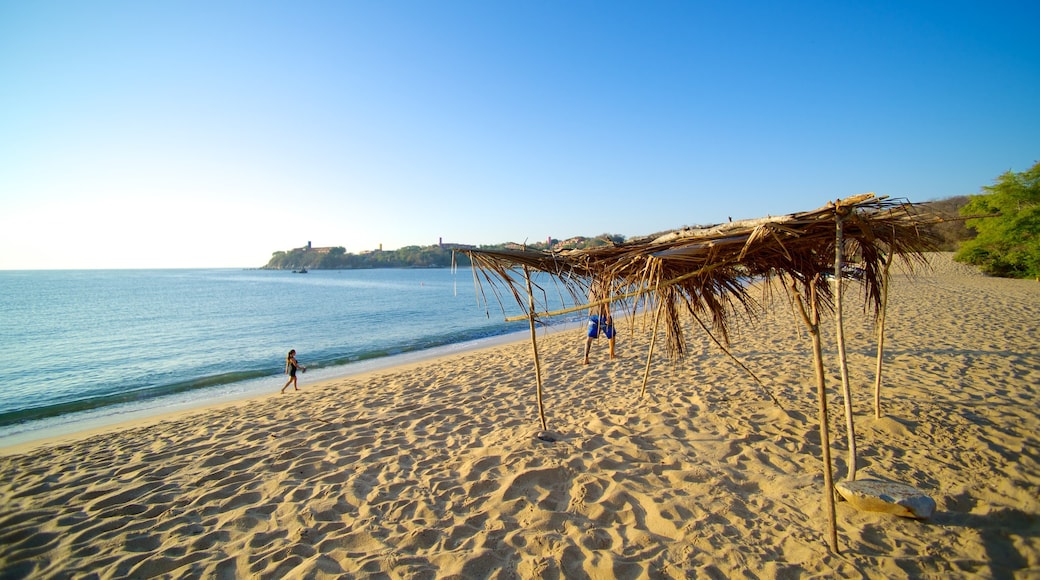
(300, 271)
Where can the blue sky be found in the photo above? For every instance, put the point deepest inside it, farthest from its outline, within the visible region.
(209, 134)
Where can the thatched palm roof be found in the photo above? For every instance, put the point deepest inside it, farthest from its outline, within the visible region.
(704, 272)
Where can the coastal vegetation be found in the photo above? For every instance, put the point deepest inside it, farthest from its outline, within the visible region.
(1002, 251)
(434, 256)
(949, 234)
(339, 259)
(1007, 243)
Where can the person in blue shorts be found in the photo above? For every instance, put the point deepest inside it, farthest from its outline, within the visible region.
(600, 322)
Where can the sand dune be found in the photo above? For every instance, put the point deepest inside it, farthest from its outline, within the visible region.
(435, 471)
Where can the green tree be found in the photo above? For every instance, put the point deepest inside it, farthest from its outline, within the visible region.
(1007, 244)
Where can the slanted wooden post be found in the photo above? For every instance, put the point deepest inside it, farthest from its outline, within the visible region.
(736, 361)
(839, 281)
(650, 355)
(812, 321)
(534, 346)
(881, 336)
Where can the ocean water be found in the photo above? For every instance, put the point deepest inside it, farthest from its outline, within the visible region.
(94, 345)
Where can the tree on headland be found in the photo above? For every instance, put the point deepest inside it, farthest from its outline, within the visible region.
(1008, 241)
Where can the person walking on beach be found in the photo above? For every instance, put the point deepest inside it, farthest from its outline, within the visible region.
(290, 369)
(599, 321)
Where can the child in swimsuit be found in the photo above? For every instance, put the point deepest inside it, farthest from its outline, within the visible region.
(290, 369)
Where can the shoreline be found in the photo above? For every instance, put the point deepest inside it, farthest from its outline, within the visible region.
(435, 470)
(110, 420)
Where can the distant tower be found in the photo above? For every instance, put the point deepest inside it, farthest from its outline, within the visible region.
(308, 245)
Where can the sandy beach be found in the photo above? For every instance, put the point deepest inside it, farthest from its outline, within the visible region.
(434, 470)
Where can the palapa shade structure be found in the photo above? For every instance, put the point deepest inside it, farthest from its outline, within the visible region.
(704, 273)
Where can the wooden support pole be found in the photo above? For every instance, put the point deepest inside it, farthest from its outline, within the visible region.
(650, 355)
(839, 318)
(736, 361)
(812, 321)
(881, 337)
(534, 347)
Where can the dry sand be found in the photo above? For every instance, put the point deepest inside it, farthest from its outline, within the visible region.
(434, 471)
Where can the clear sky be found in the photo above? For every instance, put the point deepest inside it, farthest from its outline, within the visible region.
(166, 134)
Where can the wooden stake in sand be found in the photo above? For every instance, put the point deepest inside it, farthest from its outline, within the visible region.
(812, 321)
(650, 355)
(534, 347)
(839, 280)
(736, 361)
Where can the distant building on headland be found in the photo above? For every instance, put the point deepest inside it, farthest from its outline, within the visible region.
(309, 248)
(552, 245)
(440, 243)
(450, 246)
(569, 244)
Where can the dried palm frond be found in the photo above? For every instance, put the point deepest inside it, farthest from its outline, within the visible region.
(705, 272)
